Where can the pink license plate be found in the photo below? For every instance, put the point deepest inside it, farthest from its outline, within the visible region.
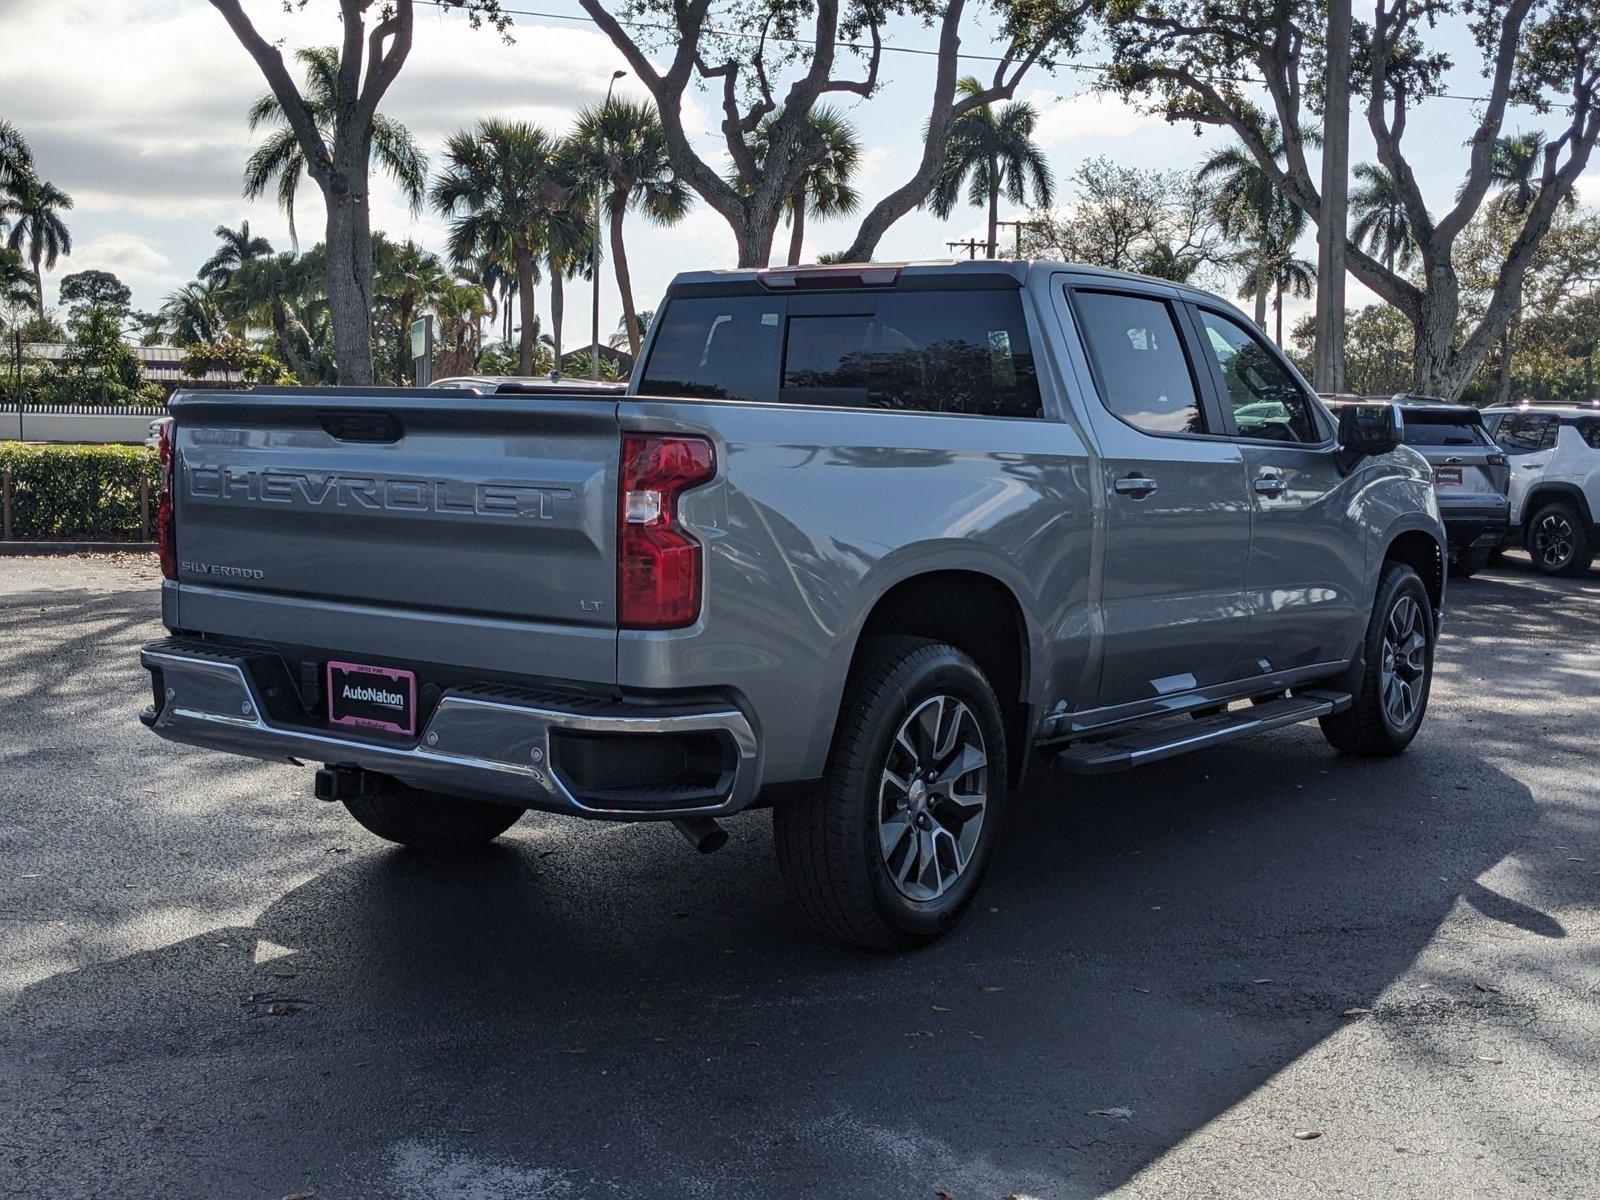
(383, 698)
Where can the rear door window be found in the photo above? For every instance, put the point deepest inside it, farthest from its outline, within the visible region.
(1589, 431)
(1527, 433)
(1268, 402)
(1139, 360)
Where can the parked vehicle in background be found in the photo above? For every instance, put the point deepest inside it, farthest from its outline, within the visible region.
(856, 544)
(152, 439)
(1554, 451)
(1471, 475)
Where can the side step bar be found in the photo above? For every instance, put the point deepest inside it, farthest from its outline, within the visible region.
(1137, 747)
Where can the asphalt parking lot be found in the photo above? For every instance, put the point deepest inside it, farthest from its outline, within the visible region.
(213, 986)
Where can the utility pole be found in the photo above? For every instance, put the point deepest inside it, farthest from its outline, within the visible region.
(594, 346)
(1018, 227)
(970, 246)
(1328, 366)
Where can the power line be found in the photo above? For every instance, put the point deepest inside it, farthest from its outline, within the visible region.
(886, 47)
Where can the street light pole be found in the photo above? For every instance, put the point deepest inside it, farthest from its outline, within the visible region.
(594, 346)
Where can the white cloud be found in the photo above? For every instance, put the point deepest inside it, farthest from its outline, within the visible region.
(1065, 120)
(121, 252)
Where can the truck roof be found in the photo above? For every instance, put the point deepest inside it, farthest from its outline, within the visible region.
(981, 272)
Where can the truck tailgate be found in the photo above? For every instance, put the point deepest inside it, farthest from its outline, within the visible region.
(464, 529)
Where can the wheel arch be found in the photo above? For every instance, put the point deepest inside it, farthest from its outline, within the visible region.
(1424, 553)
(979, 614)
(1546, 493)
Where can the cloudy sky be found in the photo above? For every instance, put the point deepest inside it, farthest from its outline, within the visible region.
(135, 107)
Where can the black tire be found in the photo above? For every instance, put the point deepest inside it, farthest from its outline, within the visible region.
(1369, 728)
(428, 820)
(1468, 563)
(1558, 540)
(834, 844)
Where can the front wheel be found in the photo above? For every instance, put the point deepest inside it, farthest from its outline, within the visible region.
(888, 851)
(428, 821)
(1388, 707)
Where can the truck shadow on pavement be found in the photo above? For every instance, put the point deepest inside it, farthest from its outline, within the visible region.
(593, 1010)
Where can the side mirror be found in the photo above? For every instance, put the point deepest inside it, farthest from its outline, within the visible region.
(1366, 429)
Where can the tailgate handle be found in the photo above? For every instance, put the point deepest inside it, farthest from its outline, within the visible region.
(361, 426)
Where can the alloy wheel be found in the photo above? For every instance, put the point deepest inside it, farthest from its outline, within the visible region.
(1553, 541)
(1403, 672)
(932, 797)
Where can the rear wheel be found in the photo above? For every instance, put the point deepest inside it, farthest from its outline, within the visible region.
(888, 851)
(1558, 540)
(1389, 706)
(1468, 563)
(428, 820)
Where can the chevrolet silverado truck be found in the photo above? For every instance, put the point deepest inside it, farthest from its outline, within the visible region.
(856, 543)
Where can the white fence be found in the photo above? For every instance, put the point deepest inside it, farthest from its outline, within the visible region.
(103, 423)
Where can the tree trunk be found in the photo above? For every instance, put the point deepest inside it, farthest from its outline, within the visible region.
(797, 226)
(38, 281)
(619, 260)
(1277, 313)
(994, 210)
(754, 233)
(291, 356)
(348, 254)
(1502, 388)
(1328, 361)
(525, 306)
(558, 308)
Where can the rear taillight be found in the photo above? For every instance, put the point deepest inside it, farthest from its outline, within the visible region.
(658, 562)
(166, 522)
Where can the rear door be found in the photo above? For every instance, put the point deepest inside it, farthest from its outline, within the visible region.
(1177, 525)
(1529, 441)
(473, 530)
(1307, 550)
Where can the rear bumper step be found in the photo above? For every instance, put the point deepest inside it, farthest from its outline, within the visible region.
(490, 743)
(1137, 748)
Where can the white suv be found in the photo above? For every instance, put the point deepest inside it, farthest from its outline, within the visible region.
(1555, 480)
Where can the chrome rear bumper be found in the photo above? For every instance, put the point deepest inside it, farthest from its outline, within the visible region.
(493, 743)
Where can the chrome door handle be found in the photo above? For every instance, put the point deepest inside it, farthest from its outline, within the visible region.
(1270, 485)
(1136, 486)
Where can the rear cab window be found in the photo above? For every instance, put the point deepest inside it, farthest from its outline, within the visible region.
(959, 351)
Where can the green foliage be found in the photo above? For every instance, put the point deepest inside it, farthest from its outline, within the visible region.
(1377, 349)
(95, 289)
(78, 493)
(231, 353)
(577, 366)
(98, 367)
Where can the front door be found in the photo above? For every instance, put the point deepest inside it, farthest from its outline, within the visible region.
(1177, 519)
(1307, 552)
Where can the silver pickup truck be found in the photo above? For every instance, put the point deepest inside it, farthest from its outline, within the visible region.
(857, 543)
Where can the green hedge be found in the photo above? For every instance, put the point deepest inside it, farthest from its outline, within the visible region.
(78, 493)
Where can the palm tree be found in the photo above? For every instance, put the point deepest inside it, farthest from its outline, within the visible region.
(191, 315)
(568, 238)
(238, 247)
(992, 153)
(1247, 202)
(621, 149)
(825, 189)
(279, 159)
(1279, 271)
(405, 280)
(17, 283)
(16, 159)
(496, 187)
(36, 207)
(268, 290)
(619, 339)
(1381, 226)
(1514, 166)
